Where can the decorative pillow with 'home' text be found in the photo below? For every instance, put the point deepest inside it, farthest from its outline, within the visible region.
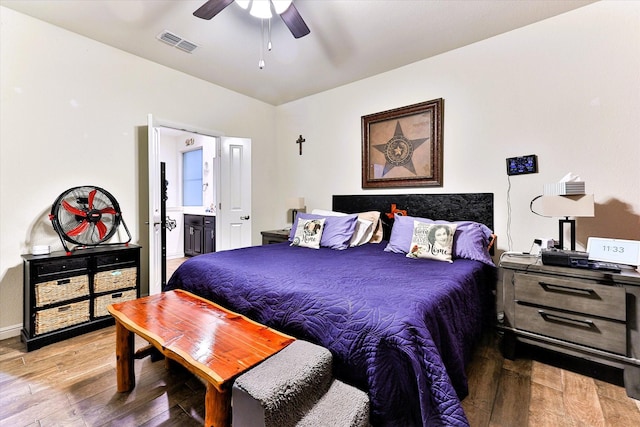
(433, 241)
(308, 233)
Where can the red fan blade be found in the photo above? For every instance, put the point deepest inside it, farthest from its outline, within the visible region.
(108, 210)
(72, 209)
(79, 229)
(92, 195)
(102, 229)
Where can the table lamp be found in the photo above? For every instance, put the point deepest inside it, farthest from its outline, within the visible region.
(295, 204)
(581, 205)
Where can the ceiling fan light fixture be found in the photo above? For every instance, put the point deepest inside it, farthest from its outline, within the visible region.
(261, 9)
(243, 3)
(281, 5)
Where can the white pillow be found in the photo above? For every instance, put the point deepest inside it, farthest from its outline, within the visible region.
(308, 233)
(363, 233)
(433, 241)
(364, 228)
(375, 235)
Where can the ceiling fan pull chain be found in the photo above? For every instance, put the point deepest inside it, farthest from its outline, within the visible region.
(261, 61)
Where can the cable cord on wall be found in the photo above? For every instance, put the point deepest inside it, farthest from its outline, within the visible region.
(509, 241)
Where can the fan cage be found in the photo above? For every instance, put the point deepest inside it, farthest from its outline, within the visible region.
(86, 216)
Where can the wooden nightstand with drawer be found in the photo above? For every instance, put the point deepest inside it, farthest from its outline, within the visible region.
(274, 236)
(594, 315)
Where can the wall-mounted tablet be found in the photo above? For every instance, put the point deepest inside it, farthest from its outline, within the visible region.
(522, 165)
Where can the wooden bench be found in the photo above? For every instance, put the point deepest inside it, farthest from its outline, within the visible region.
(211, 342)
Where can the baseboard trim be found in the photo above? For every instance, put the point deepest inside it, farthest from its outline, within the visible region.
(10, 331)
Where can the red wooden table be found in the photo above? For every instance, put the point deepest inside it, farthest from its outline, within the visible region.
(211, 342)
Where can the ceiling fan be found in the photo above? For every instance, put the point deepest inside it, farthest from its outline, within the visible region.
(261, 9)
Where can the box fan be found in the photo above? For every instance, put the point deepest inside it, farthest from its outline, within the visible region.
(86, 216)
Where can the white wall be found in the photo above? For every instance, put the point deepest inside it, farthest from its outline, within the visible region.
(72, 109)
(566, 89)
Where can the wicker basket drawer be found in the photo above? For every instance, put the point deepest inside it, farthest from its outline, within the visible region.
(52, 319)
(100, 304)
(578, 328)
(60, 290)
(112, 280)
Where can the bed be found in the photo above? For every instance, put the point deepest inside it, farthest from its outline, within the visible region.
(401, 329)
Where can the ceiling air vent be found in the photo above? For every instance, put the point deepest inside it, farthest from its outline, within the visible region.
(187, 46)
(177, 41)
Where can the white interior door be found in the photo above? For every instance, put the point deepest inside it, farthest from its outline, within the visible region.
(233, 219)
(155, 238)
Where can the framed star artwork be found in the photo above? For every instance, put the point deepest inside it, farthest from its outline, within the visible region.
(403, 147)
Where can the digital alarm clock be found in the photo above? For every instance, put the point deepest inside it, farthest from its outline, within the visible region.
(617, 251)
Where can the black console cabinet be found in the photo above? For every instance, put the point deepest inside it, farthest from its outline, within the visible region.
(67, 295)
(199, 234)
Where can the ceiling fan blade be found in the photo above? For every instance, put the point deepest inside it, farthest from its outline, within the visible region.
(294, 22)
(211, 8)
(72, 209)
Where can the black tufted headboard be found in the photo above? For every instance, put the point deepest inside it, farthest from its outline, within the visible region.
(476, 207)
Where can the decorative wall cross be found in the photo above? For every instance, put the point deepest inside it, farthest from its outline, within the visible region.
(300, 141)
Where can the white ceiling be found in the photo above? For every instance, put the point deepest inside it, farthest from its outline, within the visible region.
(350, 39)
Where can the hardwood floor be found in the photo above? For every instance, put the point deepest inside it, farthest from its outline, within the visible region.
(172, 264)
(73, 383)
(542, 388)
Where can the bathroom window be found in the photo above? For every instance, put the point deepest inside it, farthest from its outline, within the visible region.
(192, 178)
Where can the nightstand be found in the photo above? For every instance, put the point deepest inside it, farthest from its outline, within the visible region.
(274, 236)
(594, 315)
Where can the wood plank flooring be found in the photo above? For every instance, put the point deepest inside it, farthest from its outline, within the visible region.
(542, 388)
(73, 383)
(173, 264)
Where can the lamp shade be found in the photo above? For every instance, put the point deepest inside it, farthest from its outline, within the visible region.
(295, 202)
(565, 206)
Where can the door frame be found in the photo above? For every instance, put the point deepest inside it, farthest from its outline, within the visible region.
(157, 277)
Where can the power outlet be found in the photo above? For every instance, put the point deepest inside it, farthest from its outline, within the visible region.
(545, 243)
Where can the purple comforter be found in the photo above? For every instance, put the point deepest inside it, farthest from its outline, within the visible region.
(399, 328)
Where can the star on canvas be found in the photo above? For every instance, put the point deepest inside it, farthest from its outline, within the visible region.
(398, 151)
